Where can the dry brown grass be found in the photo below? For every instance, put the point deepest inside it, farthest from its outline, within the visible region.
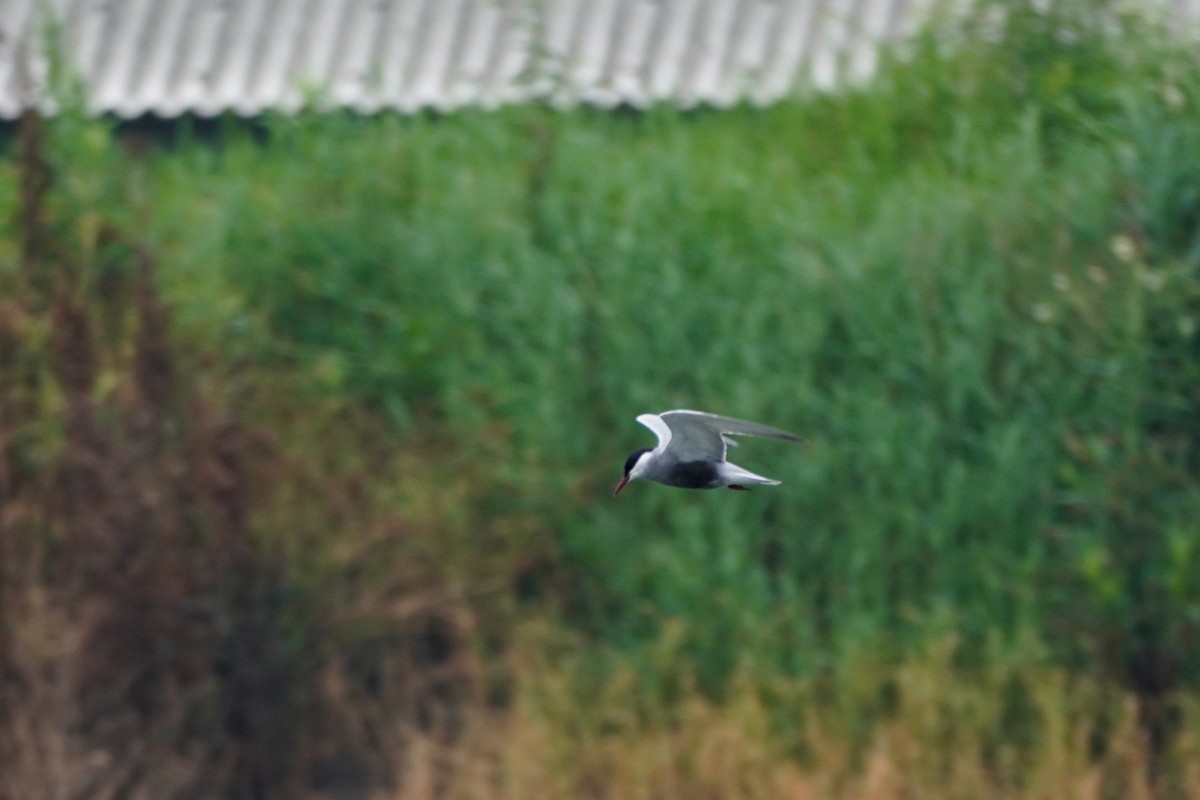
(140, 653)
(153, 641)
(946, 736)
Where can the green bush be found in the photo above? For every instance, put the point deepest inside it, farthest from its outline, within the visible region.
(971, 283)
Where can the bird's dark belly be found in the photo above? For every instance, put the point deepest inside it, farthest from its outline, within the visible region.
(694, 475)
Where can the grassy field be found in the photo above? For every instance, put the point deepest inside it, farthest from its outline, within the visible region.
(404, 356)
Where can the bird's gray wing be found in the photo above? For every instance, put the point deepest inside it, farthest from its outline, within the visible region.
(724, 426)
(692, 437)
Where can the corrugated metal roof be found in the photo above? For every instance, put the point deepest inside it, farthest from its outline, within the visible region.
(167, 57)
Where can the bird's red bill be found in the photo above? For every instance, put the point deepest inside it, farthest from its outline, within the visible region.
(620, 485)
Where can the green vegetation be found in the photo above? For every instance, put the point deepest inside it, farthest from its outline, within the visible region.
(973, 284)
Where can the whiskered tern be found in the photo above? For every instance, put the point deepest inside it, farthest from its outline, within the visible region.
(691, 452)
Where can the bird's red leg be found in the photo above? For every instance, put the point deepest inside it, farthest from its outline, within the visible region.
(738, 487)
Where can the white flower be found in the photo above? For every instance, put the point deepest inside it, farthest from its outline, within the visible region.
(1124, 248)
(1097, 275)
(1187, 326)
(1042, 312)
(1061, 282)
(1173, 96)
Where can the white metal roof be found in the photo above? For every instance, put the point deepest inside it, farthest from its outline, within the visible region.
(168, 57)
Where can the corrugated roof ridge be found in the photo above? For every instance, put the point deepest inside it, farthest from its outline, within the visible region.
(207, 56)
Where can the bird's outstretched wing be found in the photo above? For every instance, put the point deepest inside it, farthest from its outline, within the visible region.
(699, 436)
(728, 425)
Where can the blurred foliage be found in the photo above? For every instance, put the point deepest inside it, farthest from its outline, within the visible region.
(973, 283)
(970, 282)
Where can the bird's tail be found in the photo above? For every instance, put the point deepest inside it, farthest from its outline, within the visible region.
(733, 474)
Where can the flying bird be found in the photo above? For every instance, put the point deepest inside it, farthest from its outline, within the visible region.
(691, 452)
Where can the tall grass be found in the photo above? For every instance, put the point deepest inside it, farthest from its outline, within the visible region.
(960, 282)
(973, 284)
(1016, 731)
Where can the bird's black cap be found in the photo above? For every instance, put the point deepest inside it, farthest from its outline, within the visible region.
(633, 457)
